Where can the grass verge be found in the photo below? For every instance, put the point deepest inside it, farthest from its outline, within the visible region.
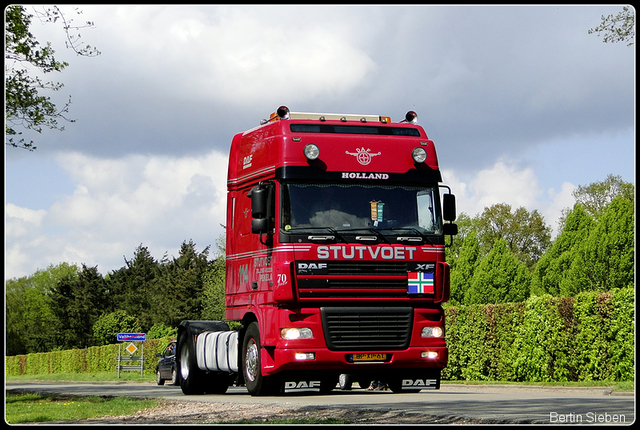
(616, 386)
(84, 377)
(38, 408)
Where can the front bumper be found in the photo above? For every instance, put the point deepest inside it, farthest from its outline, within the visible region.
(320, 359)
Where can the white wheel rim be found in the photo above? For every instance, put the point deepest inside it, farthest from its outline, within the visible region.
(184, 363)
(251, 361)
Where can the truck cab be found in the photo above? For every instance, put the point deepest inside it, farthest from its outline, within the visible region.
(335, 252)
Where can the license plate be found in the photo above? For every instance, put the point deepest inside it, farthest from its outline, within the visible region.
(370, 357)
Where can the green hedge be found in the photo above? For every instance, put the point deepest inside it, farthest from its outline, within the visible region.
(589, 337)
(92, 359)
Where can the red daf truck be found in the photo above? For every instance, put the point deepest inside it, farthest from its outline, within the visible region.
(335, 259)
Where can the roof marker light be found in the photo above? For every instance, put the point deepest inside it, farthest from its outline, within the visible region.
(411, 117)
(283, 112)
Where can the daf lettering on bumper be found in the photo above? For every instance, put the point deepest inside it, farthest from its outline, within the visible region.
(350, 252)
(419, 383)
(301, 384)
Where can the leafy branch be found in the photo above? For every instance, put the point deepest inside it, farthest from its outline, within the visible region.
(619, 28)
(24, 105)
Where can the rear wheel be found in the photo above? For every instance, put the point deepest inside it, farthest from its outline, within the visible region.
(257, 384)
(191, 377)
(217, 383)
(159, 379)
(345, 381)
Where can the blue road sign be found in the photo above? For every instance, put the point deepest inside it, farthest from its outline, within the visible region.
(123, 337)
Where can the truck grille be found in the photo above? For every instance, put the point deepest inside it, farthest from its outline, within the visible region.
(360, 329)
(354, 279)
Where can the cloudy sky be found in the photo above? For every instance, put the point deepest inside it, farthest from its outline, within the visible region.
(522, 103)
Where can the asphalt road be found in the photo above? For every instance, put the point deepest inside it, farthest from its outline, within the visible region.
(503, 403)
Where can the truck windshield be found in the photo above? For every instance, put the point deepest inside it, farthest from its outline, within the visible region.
(353, 206)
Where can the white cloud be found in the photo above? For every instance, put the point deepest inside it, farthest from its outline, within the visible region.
(117, 205)
(505, 182)
(524, 83)
(23, 216)
(234, 55)
(21, 234)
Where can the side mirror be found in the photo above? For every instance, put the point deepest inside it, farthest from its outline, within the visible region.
(259, 198)
(450, 229)
(261, 209)
(158, 355)
(449, 207)
(260, 226)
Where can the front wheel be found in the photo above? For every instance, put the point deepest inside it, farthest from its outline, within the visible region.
(159, 379)
(257, 384)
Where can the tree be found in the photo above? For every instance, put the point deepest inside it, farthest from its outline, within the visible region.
(134, 286)
(605, 259)
(78, 302)
(551, 275)
(24, 105)
(619, 28)
(499, 278)
(214, 284)
(108, 325)
(596, 196)
(30, 320)
(214, 291)
(524, 232)
(181, 287)
(160, 330)
(466, 225)
(463, 268)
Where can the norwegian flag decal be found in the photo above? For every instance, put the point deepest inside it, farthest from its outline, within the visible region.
(421, 283)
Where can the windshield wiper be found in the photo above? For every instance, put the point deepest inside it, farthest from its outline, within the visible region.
(318, 238)
(366, 238)
(420, 236)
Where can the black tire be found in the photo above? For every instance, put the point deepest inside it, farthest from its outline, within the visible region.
(191, 377)
(256, 383)
(328, 383)
(217, 383)
(175, 380)
(344, 381)
(159, 379)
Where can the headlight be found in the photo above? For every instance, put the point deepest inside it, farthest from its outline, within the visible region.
(296, 333)
(311, 151)
(419, 155)
(432, 332)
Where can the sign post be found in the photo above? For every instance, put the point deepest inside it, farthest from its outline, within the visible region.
(131, 349)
